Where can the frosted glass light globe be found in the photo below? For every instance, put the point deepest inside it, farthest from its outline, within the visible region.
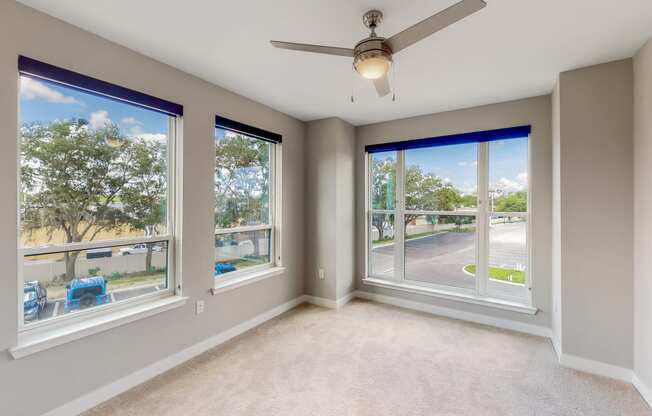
(373, 67)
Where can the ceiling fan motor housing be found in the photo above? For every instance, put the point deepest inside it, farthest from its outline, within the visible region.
(370, 48)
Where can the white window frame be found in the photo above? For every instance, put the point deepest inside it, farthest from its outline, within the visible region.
(483, 289)
(173, 288)
(254, 273)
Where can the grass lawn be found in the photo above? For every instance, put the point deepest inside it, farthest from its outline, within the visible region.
(498, 273)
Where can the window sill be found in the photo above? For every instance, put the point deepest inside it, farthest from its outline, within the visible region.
(40, 339)
(489, 302)
(246, 279)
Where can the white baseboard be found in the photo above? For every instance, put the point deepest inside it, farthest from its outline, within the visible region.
(595, 367)
(642, 388)
(108, 391)
(329, 303)
(457, 314)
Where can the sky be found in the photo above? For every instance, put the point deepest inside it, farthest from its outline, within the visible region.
(43, 101)
(458, 164)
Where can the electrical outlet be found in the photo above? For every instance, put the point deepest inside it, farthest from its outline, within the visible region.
(199, 307)
(321, 274)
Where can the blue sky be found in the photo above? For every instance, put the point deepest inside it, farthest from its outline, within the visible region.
(42, 101)
(458, 164)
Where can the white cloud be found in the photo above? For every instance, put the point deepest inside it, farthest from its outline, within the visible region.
(153, 137)
(131, 121)
(100, 119)
(522, 178)
(462, 163)
(508, 185)
(31, 90)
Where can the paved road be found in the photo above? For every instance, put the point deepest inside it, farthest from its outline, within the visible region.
(440, 258)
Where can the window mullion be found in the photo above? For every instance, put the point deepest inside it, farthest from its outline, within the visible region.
(399, 218)
(482, 246)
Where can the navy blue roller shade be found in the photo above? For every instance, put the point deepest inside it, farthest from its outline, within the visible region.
(33, 68)
(245, 129)
(474, 137)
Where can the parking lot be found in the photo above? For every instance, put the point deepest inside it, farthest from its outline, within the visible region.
(56, 307)
(440, 258)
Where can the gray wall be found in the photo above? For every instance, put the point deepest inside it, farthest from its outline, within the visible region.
(40, 382)
(643, 214)
(556, 222)
(329, 187)
(596, 188)
(533, 111)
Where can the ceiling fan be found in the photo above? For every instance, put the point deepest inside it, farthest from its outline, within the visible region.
(372, 56)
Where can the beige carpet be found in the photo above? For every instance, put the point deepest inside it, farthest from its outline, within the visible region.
(373, 359)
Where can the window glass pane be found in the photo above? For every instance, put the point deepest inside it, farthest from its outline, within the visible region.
(242, 180)
(440, 249)
(237, 251)
(381, 259)
(92, 168)
(383, 180)
(508, 175)
(61, 283)
(507, 249)
(441, 178)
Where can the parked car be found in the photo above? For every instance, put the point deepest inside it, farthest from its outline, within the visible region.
(139, 249)
(221, 268)
(98, 253)
(35, 299)
(86, 292)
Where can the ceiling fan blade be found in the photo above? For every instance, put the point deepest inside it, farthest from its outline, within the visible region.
(434, 23)
(382, 85)
(304, 47)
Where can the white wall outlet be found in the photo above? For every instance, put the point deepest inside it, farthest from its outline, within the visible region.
(321, 274)
(199, 307)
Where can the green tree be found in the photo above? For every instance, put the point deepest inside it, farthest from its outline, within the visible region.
(242, 169)
(144, 195)
(383, 184)
(73, 179)
(514, 202)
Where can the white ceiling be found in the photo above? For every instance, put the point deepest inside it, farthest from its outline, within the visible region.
(512, 49)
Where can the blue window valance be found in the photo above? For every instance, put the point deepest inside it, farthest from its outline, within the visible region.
(33, 68)
(236, 126)
(473, 137)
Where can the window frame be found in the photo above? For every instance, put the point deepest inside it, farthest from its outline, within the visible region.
(171, 237)
(482, 214)
(273, 227)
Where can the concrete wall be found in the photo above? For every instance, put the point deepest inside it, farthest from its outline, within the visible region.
(533, 111)
(35, 384)
(329, 188)
(596, 187)
(643, 215)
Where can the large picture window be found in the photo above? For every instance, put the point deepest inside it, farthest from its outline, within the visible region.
(96, 195)
(451, 214)
(245, 200)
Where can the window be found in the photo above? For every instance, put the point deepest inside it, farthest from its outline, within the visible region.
(96, 195)
(245, 200)
(451, 214)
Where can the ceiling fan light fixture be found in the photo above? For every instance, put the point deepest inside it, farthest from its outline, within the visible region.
(373, 64)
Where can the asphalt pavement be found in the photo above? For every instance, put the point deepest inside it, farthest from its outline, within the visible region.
(440, 258)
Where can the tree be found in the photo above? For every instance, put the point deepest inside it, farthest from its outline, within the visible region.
(144, 194)
(514, 202)
(242, 169)
(383, 193)
(73, 179)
